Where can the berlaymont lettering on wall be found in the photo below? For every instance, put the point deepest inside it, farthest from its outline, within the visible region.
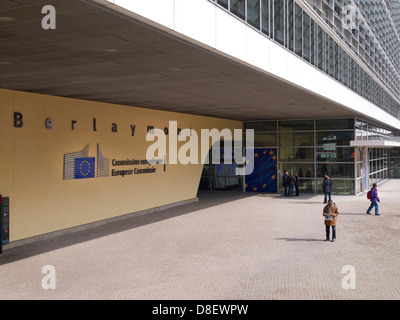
(79, 165)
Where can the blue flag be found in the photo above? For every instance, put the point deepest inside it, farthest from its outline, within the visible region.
(84, 168)
(264, 176)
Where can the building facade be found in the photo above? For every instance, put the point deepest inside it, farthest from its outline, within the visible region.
(83, 82)
(349, 41)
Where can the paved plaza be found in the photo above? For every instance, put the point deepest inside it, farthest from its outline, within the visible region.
(228, 245)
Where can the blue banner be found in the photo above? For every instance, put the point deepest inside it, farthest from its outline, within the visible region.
(264, 176)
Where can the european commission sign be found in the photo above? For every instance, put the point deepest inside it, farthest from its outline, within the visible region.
(78, 165)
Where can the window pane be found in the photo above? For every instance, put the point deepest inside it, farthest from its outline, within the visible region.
(334, 154)
(223, 3)
(288, 139)
(298, 30)
(304, 170)
(265, 140)
(306, 37)
(296, 125)
(296, 154)
(265, 16)
(331, 58)
(327, 124)
(290, 26)
(253, 13)
(261, 126)
(279, 21)
(345, 68)
(337, 53)
(360, 184)
(335, 170)
(320, 50)
(343, 187)
(307, 185)
(312, 42)
(395, 152)
(206, 170)
(334, 138)
(204, 183)
(395, 172)
(223, 170)
(372, 166)
(238, 8)
(327, 53)
(339, 187)
(359, 134)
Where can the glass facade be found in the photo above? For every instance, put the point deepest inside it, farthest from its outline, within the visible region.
(378, 164)
(374, 45)
(369, 131)
(374, 76)
(382, 163)
(312, 148)
(394, 171)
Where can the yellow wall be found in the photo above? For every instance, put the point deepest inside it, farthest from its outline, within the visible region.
(31, 167)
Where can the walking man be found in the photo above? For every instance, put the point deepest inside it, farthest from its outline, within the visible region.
(330, 212)
(373, 197)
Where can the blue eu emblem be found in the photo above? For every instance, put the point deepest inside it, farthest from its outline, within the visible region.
(84, 168)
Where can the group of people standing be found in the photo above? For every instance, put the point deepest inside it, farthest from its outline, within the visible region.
(291, 183)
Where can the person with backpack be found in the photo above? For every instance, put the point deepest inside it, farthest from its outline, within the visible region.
(327, 188)
(372, 195)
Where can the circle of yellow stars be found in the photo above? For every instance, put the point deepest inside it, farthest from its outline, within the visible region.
(80, 168)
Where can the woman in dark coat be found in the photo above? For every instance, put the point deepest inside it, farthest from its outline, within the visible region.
(327, 188)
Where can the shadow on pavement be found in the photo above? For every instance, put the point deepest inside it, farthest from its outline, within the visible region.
(298, 239)
(207, 199)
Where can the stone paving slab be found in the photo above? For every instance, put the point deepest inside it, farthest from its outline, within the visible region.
(229, 245)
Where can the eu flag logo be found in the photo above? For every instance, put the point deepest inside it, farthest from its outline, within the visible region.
(84, 168)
